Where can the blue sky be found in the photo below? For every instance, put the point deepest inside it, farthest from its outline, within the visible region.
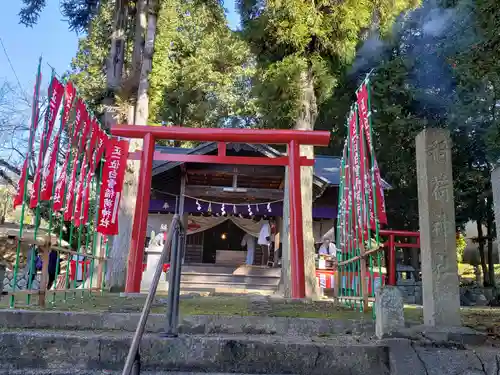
(50, 38)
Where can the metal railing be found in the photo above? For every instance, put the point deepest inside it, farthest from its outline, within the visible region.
(173, 246)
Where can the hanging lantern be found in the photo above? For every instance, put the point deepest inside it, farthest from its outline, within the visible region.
(257, 207)
(250, 213)
(269, 207)
(198, 206)
(223, 209)
(234, 208)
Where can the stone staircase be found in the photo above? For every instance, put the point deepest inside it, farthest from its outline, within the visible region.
(227, 279)
(63, 343)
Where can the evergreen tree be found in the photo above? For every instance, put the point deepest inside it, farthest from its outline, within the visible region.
(301, 48)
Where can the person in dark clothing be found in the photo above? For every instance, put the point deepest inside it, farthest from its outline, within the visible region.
(53, 259)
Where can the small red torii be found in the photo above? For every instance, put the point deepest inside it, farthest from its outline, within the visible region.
(292, 138)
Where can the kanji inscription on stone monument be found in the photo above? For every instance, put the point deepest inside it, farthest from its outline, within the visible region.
(437, 228)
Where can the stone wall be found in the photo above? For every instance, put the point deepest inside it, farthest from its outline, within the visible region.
(22, 281)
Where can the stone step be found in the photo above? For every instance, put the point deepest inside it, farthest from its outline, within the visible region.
(264, 354)
(200, 324)
(215, 285)
(242, 270)
(221, 278)
(101, 372)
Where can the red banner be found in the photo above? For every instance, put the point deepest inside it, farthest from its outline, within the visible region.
(382, 214)
(357, 182)
(112, 185)
(365, 138)
(362, 96)
(48, 172)
(68, 209)
(86, 197)
(102, 143)
(18, 198)
(56, 95)
(79, 193)
(56, 92)
(93, 143)
(80, 114)
(61, 185)
(85, 133)
(69, 98)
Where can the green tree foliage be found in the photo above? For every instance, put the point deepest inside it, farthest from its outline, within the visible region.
(201, 69)
(79, 13)
(88, 67)
(294, 36)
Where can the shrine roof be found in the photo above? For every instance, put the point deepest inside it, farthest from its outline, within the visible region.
(326, 168)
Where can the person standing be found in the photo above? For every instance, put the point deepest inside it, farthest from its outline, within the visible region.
(264, 241)
(249, 241)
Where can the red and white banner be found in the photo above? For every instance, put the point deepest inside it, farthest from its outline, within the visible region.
(18, 198)
(80, 115)
(70, 196)
(69, 98)
(112, 184)
(382, 214)
(56, 92)
(355, 162)
(61, 185)
(362, 98)
(79, 193)
(49, 172)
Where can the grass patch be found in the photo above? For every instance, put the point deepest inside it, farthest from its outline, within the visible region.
(482, 319)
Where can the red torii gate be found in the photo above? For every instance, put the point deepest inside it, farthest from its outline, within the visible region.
(292, 138)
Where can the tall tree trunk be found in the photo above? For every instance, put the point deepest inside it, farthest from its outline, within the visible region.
(142, 105)
(480, 239)
(117, 264)
(305, 121)
(137, 56)
(489, 229)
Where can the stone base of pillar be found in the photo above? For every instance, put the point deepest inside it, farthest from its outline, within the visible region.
(389, 310)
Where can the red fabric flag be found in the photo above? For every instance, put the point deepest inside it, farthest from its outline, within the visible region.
(79, 193)
(382, 214)
(365, 138)
(93, 142)
(68, 209)
(18, 198)
(56, 92)
(80, 113)
(85, 133)
(362, 96)
(112, 185)
(86, 197)
(61, 185)
(102, 144)
(356, 170)
(56, 95)
(48, 172)
(69, 98)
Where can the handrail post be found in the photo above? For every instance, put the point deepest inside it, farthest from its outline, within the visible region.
(133, 354)
(178, 273)
(169, 328)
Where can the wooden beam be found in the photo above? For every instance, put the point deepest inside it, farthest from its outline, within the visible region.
(243, 170)
(217, 191)
(215, 159)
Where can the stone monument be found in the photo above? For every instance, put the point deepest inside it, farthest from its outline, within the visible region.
(441, 296)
